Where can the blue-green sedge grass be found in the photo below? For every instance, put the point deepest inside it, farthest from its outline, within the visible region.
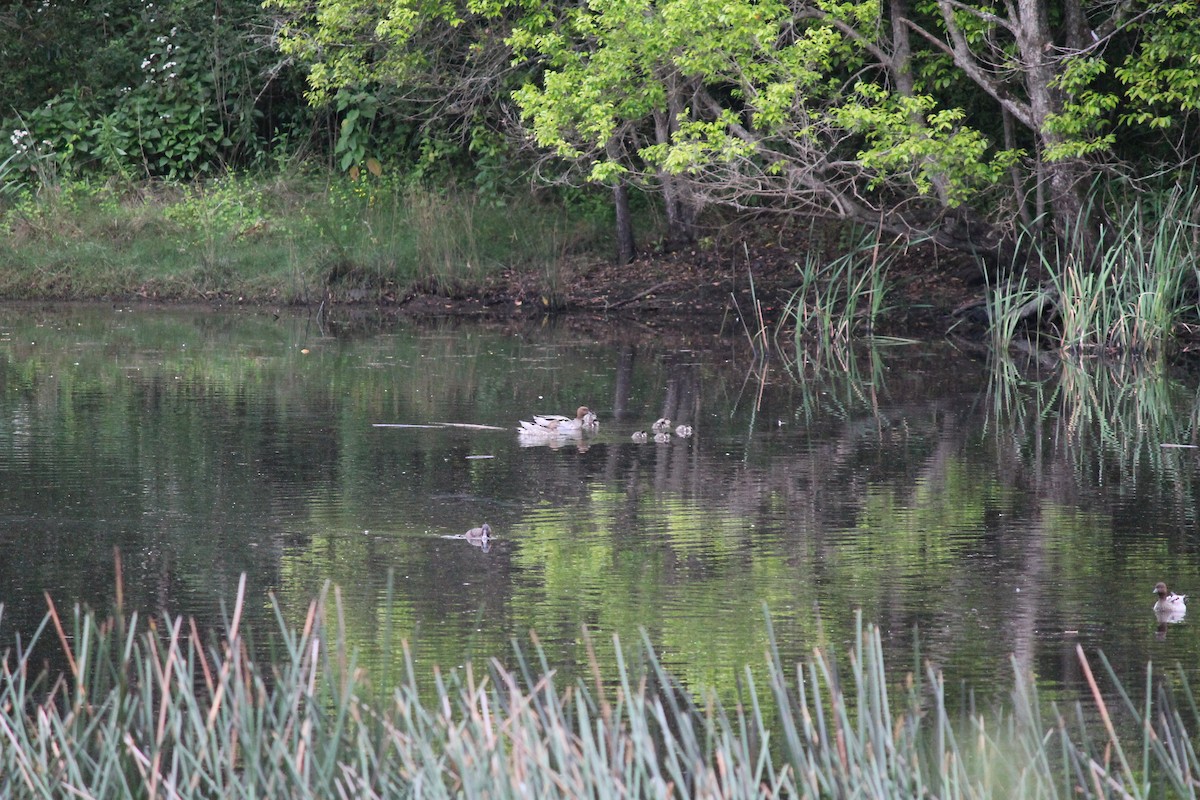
(191, 720)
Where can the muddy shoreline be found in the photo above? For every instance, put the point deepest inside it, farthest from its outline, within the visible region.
(716, 290)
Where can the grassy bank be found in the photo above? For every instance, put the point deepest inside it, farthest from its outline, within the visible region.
(305, 237)
(159, 711)
(281, 238)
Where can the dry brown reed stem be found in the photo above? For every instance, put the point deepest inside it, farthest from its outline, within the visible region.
(62, 637)
(200, 657)
(1113, 742)
(227, 665)
(597, 679)
(119, 577)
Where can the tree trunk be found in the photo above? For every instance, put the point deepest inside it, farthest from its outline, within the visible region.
(679, 201)
(1064, 178)
(626, 250)
(901, 48)
(902, 74)
(681, 210)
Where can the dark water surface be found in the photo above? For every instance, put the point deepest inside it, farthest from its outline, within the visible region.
(1002, 509)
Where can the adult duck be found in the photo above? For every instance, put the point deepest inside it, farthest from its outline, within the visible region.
(480, 537)
(550, 425)
(480, 534)
(1168, 602)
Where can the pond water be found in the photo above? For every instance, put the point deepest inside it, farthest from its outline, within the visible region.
(1015, 508)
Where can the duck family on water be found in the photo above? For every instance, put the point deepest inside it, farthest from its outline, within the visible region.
(553, 427)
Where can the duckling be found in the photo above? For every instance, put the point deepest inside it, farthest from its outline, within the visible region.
(662, 438)
(683, 431)
(639, 436)
(661, 425)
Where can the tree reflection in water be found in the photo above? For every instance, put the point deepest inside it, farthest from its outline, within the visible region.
(1001, 507)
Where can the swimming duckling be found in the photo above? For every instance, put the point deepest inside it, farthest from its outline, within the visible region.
(683, 431)
(661, 425)
(639, 436)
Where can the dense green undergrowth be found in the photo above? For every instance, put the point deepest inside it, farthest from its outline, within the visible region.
(162, 711)
(280, 238)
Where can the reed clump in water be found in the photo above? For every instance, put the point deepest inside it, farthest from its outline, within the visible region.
(840, 297)
(1133, 295)
(152, 712)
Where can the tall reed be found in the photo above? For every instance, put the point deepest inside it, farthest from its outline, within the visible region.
(153, 711)
(1010, 305)
(840, 297)
(1131, 296)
